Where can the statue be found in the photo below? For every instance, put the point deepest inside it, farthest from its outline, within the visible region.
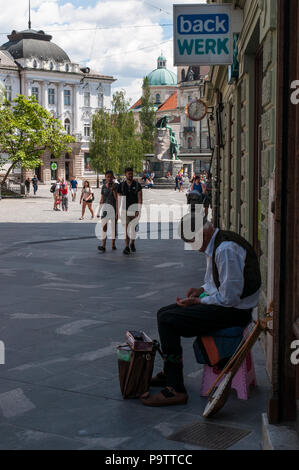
(174, 147)
(162, 123)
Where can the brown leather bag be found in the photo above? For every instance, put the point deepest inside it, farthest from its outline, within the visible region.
(135, 370)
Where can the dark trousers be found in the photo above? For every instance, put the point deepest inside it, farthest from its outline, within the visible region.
(189, 322)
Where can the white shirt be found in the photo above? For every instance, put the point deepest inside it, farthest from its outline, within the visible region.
(230, 261)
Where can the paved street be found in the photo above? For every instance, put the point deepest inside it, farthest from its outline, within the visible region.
(64, 309)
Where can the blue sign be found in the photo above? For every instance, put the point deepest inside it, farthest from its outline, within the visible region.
(203, 33)
(203, 24)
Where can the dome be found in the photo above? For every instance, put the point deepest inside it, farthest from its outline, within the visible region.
(161, 76)
(30, 43)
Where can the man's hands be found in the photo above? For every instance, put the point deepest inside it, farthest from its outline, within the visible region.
(191, 298)
(191, 293)
(187, 302)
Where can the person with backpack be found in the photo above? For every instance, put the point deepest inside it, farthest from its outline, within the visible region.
(109, 209)
(132, 191)
(230, 292)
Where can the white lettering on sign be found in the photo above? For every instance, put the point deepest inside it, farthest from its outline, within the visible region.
(295, 94)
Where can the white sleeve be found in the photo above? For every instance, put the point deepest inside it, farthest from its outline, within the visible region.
(230, 262)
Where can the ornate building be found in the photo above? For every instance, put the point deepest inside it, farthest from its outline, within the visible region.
(31, 64)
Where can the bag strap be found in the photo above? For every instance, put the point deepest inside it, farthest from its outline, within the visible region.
(129, 372)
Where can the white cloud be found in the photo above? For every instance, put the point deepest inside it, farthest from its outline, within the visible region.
(126, 53)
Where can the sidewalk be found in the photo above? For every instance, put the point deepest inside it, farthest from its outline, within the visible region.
(64, 309)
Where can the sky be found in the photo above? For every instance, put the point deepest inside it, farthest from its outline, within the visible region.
(122, 38)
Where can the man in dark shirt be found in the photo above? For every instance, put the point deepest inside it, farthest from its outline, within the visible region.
(35, 184)
(109, 204)
(132, 192)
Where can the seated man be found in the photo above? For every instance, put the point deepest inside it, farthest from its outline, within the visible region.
(231, 291)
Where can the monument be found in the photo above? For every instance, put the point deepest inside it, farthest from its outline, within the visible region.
(166, 159)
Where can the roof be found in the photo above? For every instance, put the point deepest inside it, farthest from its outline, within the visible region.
(137, 105)
(162, 77)
(171, 103)
(31, 43)
(6, 60)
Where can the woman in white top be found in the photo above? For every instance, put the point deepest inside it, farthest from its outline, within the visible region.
(87, 198)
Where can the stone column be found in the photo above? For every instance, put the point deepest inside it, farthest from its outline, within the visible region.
(43, 89)
(75, 110)
(60, 104)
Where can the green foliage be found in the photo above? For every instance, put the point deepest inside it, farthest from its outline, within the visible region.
(114, 143)
(26, 131)
(147, 118)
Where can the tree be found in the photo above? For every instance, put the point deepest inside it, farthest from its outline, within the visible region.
(147, 118)
(114, 143)
(104, 143)
(26, 131)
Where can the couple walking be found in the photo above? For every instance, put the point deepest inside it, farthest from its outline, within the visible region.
(131, 190)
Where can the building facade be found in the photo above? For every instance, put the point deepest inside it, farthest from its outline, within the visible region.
(32, 65)
(255, 169)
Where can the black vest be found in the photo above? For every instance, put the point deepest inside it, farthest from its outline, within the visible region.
(252, 274)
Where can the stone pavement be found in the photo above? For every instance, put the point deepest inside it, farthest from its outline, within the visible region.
(65, 307)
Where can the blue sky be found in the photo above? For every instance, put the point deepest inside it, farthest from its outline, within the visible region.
(128, 53)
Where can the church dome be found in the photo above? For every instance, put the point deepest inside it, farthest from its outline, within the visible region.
(30, 43)
(161, 76)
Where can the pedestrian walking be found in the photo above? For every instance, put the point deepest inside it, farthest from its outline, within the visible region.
(108, 209)
(74, 188)
(56, 190)
(27, 186)
(86, 199)
(231, 291)
(64, 197)
(35, 184)
(131, 210)
(177, 182)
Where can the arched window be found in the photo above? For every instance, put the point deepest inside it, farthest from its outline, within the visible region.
(67, 126)
(189, 142)
(67, 156)
(51, 66)
(67, 68)
(158, 98)
(183, 75)
(35, 64)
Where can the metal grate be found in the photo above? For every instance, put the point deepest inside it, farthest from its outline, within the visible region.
(209, 436)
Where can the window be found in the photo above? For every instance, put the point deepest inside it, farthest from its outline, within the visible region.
(189, 142)
(100, 100)
(158, 98)
(67, 126)
(190, 99)
(87, 166)
(86, 130)
(51, 66)
(51, 96)
(67, 97)
(183, 75)
(87, 99)
(8, 89)
(67, 67)
(34, 64)
(35, 92)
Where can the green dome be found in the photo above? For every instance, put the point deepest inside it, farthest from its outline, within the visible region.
(161, 76)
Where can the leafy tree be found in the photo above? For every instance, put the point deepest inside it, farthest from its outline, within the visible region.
(26, 131)
(104, 143)
(147, 118)
(114, 143)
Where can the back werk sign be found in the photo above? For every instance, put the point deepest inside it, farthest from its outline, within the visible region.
(203, 34)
